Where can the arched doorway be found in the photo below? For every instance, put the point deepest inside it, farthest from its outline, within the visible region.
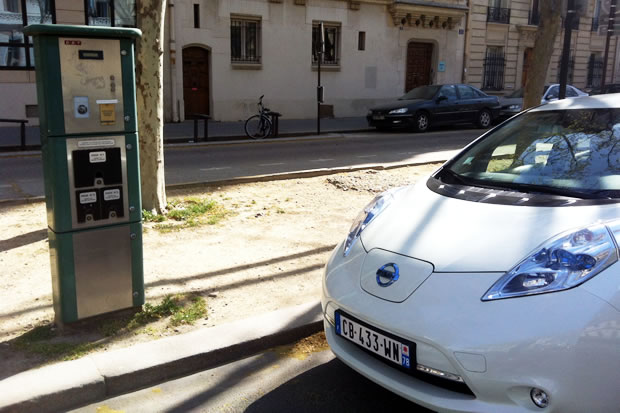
(419, 64)
(196, 81)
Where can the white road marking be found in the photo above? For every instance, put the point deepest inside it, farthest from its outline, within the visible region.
(405, 153)
(321, 160)
(6, 186)
(366, 156)
(215, 169)
(271, 164)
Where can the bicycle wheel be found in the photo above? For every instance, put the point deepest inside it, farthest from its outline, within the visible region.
(258, 127)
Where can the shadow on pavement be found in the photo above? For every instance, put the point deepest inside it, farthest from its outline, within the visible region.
(23, 239)
(331, 387)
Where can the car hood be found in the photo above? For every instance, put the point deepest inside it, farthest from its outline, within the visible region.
(510, 101)
(456, 235)
(397, 104)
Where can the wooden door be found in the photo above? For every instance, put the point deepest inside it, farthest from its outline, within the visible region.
(527, 60)
(196, 81)
(419, 62)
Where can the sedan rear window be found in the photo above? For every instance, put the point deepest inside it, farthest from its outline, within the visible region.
(577, 151)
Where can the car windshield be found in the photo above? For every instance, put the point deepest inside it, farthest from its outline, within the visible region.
(566, 152)
(516, 94)
(422, 92)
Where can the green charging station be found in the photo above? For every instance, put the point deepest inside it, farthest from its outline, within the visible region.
(89, 141)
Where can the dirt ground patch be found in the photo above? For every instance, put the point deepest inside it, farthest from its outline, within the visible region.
(266, 254)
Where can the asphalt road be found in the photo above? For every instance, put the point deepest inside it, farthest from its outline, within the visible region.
(269, 382)
(22, 176)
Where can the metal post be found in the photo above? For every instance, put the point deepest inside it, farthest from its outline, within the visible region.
(321, 47)
(568, 29)
(22, 134)
(610, 29)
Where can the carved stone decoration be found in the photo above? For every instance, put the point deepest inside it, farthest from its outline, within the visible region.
(300, 2)
(435, 16)
(354, 5)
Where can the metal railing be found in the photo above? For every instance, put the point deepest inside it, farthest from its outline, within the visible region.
(494, 64)
(498, 15)
(22, 130)
(245, 41)
(595, 72)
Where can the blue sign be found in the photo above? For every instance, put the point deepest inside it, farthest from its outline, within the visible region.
(442, 66)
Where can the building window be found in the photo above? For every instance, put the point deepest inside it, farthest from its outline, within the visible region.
(498, 11)
(245, 40)
(110, 13)
(571, 68)
(331, 56)
(596, 18)
(595, 71)
(494, 64)
(16, 49)
(534, 14)
(196, 16)
(361, 41)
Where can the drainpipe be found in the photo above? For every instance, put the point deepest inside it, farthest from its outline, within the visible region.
(467, 41)
(173, 58)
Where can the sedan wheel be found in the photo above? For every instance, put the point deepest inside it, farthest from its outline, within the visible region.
(484, 118)
(422, 122)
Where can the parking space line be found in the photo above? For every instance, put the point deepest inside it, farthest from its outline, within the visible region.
(215, 169)
(272, 164)
(366, 156)
(322, 160)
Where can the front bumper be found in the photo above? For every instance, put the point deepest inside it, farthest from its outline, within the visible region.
(564, 343)
(390, 121)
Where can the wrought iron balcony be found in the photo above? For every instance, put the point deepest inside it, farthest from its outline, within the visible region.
(498, 15)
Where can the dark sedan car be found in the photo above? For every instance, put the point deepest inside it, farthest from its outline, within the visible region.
(436, 104)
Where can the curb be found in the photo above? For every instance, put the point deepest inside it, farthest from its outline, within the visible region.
(72, 384)
(310, 173)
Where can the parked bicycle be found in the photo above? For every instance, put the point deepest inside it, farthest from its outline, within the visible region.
(259, 126)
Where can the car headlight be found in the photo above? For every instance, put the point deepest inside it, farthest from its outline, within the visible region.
(514, 107)
(563, 262)
(365, 217)
(398, 111)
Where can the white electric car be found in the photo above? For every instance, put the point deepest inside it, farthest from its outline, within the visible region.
(493, 286)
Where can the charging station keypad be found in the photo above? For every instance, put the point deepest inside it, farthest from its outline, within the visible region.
(97, 173)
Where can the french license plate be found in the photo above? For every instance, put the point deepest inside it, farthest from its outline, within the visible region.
(378, 117)
(396, 350)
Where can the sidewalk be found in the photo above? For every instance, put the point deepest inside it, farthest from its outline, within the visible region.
(184, 131)
(260, 271)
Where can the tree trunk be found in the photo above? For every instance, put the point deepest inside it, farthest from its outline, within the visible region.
(150, 101)
(548, 28)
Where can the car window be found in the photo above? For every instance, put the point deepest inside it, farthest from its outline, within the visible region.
(466, 92)
(448, 91)
(571, 92)
(575, 149)
(479, 93)
(422, 92)
(554, 92)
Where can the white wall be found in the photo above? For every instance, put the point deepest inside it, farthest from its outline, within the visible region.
(286, 76)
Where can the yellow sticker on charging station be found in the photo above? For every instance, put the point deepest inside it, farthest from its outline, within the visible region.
(107, 114)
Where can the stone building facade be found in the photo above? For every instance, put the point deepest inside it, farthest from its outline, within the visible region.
(501, 35)
(221, 55)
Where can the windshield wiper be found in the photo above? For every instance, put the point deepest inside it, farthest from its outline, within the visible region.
(459, 179)
(543, 189)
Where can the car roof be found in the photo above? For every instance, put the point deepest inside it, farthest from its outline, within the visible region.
(608, 101)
